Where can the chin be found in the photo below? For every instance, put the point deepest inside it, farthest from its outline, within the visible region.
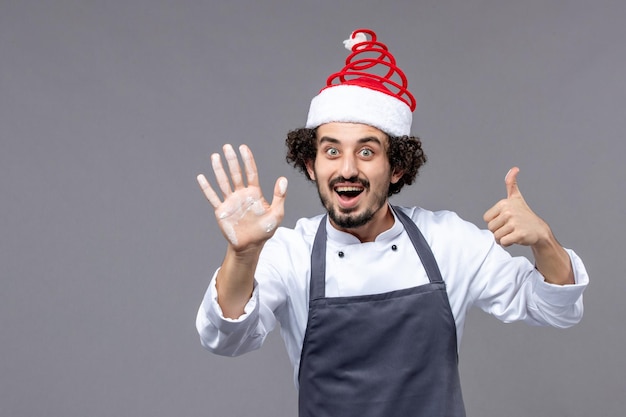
(350, 221)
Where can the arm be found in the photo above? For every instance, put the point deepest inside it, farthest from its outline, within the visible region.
(246, 220)
(513, 222)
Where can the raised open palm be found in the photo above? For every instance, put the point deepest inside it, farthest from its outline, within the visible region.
(245, 217)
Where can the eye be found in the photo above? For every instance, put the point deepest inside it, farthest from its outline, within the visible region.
(332, 152)
(367, 153)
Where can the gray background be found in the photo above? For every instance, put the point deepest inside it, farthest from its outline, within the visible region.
(109, 109)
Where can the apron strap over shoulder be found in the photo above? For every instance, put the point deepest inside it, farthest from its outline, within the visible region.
(317, 285)
(421, 246)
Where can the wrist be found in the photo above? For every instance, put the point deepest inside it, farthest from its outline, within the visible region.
(552, 261)
(545, 241)
(247, 256)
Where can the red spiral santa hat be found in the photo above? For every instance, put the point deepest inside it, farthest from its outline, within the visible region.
(370, 89)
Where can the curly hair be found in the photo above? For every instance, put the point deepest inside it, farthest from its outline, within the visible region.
(404, 152)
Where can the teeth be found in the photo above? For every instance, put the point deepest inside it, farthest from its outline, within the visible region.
(348, 189)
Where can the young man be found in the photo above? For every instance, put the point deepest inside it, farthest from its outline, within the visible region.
(372, 298)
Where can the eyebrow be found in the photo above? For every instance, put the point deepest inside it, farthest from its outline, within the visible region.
(360, 141)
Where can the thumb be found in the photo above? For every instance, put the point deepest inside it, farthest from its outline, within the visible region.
(277, 208)
(280, 190)
(510, 181)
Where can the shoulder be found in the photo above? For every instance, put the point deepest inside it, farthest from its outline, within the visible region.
(303, 233)
(425, 219)
(286, 256)
(445, 227)
(307, 227)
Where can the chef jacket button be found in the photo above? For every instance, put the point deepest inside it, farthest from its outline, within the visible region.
(340, 254)
(394, 247)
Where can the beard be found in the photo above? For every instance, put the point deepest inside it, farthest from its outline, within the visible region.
(344, 218)
(347, 221)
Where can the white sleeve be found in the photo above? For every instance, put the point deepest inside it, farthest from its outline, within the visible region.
(232, 337)
(562, 305)
(511, 289)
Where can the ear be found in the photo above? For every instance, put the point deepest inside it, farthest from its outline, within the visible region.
(309, 169)
(396, 175)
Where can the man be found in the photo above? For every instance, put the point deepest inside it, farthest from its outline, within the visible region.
(372, 298)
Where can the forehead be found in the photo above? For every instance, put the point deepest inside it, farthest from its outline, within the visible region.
(349, 132)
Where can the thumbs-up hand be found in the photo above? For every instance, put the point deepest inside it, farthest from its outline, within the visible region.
(511, 220)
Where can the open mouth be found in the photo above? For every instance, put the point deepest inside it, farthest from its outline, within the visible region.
(348, 191)
(348, 196)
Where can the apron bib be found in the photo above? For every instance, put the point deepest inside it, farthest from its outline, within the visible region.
(382, 355)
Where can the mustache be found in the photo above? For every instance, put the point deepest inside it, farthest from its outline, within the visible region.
(365, 183)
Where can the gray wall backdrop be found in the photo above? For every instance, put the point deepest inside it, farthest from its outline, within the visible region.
(109, 109)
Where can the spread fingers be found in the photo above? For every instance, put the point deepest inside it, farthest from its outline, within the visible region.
(208, 191)
(233, 166)
(220, 174)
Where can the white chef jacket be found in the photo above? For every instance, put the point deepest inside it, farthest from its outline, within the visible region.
(476, 270)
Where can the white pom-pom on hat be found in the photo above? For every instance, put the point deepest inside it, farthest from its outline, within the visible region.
(356, 37)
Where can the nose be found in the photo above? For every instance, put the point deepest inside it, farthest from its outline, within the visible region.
(349, 167)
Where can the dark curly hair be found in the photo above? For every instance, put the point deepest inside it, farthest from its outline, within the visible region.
(404, 152)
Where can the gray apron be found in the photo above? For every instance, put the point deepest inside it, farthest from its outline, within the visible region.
(382, 355)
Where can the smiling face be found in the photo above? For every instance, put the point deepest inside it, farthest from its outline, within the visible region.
(352, 173)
